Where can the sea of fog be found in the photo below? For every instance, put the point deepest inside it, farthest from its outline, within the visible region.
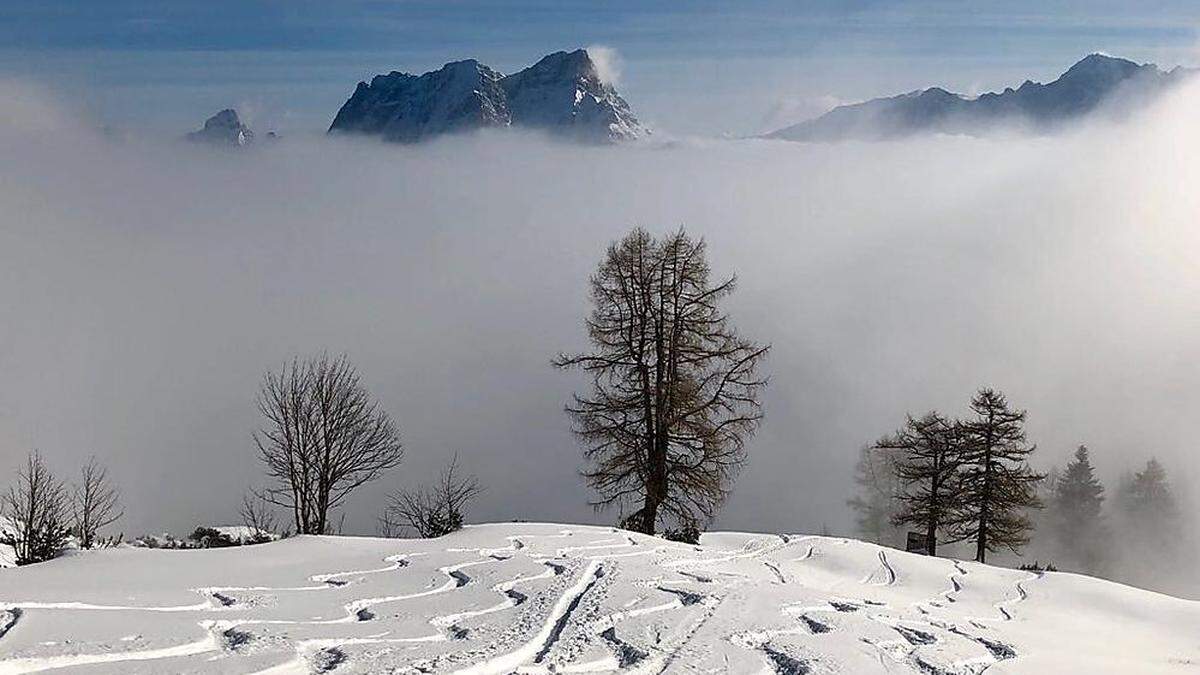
(146, 284)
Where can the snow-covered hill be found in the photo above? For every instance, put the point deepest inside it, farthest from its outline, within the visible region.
(540, 598)
(562, 94)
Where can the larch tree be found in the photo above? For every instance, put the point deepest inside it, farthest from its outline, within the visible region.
(674, 387)
(998, 485)
(927, 453)
(1076, 506)
(323, 437)
(876, 501)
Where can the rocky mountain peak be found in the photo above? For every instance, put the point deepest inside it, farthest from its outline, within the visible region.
(223, 128)
(561, 94)
(1097, 66)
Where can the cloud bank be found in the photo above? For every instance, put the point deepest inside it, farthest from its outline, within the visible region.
(145, 287)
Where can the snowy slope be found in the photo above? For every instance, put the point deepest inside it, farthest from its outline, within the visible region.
(539, 598)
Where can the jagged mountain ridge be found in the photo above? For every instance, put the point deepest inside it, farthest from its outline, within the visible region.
(562, 94)
(1096, 79)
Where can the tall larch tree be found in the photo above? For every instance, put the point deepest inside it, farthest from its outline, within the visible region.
(674, 387)
(999, 487)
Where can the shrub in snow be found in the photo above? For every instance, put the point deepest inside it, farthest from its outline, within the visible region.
(432, 511)
(687, 534)
(208, 537)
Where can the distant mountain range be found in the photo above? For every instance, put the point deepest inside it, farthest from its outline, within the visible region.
(1097, 80)
(562, 94)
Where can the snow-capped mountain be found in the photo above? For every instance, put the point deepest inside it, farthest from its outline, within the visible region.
(1095, 80)
(562, 93)
(224, 128)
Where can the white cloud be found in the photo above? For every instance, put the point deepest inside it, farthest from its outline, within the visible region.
(789, 110)
(608, 64)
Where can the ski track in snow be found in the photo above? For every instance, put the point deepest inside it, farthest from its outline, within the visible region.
(889, 574)
(536, 648)
(1021, 596)
(36, 664)
(914, 633)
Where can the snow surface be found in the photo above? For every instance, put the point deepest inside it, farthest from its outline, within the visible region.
(541, 598)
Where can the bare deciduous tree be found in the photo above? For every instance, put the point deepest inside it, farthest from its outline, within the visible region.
(95, 503)
(324, 436)
(387, 525)
(432, 510)
(258, 517)
(674, 387)
(36, 508)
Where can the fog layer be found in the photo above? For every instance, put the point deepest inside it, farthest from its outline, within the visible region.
(145, 286)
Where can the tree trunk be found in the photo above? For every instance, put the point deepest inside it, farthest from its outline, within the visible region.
(649, 514)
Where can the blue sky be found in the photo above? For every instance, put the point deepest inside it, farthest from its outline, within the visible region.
(700, 67)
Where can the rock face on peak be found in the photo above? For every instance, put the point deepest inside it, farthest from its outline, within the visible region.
(224, 128)
(1095, 80)
(562, 94)
(401, 107)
